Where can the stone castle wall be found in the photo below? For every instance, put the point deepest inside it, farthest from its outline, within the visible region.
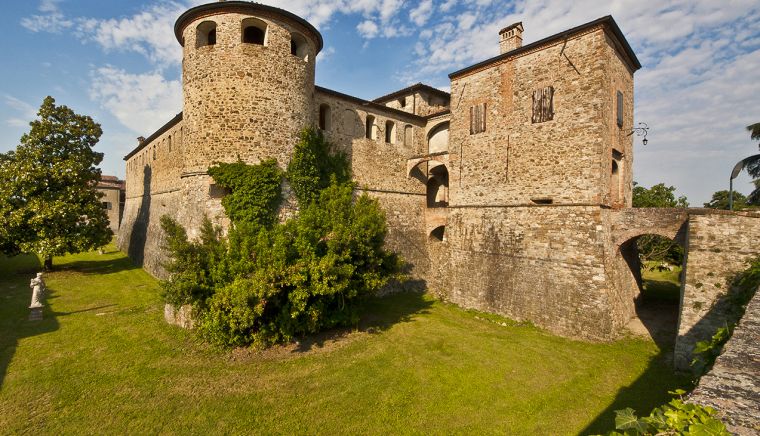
(518, 161)
(719, 246)
(112, 204)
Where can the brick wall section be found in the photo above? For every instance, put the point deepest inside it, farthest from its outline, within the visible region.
(733, 385)
(719, 245)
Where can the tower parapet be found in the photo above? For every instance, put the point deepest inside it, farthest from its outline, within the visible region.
(248, 82)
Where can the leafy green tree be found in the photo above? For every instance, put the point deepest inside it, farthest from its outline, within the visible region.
(654, 248)
(48, 202)
(752, 164)
(720, 201)
(658, 195)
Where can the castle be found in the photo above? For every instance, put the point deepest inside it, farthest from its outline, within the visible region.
(510, 195)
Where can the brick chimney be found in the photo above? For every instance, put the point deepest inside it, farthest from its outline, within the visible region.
(510, 37)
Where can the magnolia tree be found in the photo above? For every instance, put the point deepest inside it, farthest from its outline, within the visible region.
(48, 202)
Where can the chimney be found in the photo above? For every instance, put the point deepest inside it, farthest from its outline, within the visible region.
(510, 37)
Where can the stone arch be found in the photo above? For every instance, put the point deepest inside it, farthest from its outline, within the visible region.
(205, 34)
(438, 234)
(437, 186)
(254, 31)
(438, 138)
(299, 47)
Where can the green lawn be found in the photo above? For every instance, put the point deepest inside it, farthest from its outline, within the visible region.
(103, 361)
(662, 285)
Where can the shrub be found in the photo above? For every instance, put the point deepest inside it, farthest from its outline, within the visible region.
(268, 282)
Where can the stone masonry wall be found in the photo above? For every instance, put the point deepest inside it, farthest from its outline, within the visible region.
(153, 188)
(732, 387)
(719, 246)
(566, 159)
(243, 100)
(112, 200)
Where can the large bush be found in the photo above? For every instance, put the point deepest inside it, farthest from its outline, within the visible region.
(268, 282)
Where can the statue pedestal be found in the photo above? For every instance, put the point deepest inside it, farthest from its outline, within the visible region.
(35, 314)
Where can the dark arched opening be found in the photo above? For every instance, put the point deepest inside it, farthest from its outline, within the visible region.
(437, 185)
(205, 34)
(324, 117)
(438, 234)
(253, 35)
(652, 277)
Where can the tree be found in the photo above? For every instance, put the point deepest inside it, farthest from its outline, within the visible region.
(48, 202)
(720, 201)
(654, 248)
(752, 164)
(658, 195)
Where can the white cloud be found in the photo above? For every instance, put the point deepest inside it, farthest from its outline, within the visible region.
(367, 29)
(421, 13)
(325, 54)
(51, 20)
(141, 102)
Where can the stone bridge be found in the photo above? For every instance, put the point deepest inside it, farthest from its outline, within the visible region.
(717, 246)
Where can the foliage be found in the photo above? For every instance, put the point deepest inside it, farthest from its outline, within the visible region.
(48, 201)
(254, 190)
(705, 352)
(268, 282)
(752, 165)
(676, 417)
(720, 201)
(315, 161)
(654, 248)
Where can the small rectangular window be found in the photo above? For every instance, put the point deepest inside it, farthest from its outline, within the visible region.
(106, 205)
(542, 200)
(477, 118)
(620, 109)
(543, 105)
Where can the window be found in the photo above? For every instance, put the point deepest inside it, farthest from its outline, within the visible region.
(620, 109)
(107, 205)
(543, 105)
(477, 118)
(170, 143)
(254, 31)
(390, 132)
(324, 117)
(205, 34)
(402, 102)
(408, 136)
(299, 47)
(370, 129)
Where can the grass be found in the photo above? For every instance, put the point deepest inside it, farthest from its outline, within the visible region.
(661, 285)
(103, 361)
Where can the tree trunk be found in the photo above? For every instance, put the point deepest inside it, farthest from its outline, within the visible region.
(48, 266)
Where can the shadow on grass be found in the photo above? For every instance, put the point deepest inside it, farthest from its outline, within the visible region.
(97, 267)
(15, 297)
(377, 314)
(644, 394)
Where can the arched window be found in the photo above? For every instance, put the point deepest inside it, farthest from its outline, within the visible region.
(205, 34)
(408, 136)
(390, 132)
(254, 31)
(324, 117)
(299, 47)
(438, 138)
(437, 185)
(370, 128)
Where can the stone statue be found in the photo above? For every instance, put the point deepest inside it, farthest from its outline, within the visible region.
(38, 291)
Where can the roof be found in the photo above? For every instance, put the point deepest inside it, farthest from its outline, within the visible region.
(161, 130)
(511, 26)
(110, 182)
(410, 90)
(240, 7)
(372, 104)
(607, 21)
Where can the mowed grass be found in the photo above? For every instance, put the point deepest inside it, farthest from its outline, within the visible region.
(661, 284)
(103, 361)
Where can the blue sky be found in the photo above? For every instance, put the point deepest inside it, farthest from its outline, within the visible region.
(118, 61)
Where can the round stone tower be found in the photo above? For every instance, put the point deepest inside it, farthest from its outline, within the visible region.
(248, 82)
